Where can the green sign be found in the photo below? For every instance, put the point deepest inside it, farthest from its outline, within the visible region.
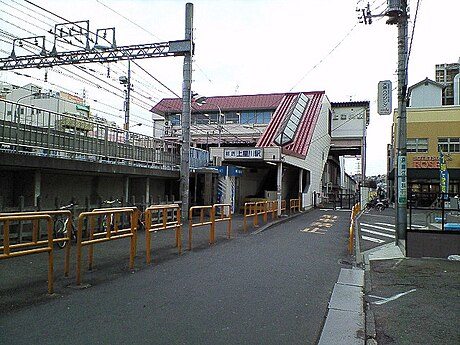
(402, 180)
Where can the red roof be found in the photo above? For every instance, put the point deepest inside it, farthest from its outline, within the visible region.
(299, 146)
(226, 103)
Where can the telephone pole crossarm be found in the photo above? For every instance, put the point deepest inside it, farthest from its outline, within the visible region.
(142, 51)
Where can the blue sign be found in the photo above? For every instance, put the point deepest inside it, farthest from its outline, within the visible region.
(443, 175)
(229, 171)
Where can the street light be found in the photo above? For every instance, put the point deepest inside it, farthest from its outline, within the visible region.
(201, 100)
(33, 94)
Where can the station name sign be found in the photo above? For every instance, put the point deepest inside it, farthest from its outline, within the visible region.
(251, 153)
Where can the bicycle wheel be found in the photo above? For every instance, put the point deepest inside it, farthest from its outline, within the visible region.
(59, 232)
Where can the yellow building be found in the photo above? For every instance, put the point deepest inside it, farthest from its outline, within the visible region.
(430, 130)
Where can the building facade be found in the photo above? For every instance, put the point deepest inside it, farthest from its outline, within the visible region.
(430, 131)
(280, 144)
(448, 74)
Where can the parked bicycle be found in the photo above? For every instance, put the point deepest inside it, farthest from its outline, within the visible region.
(105, 221)
(60, 226)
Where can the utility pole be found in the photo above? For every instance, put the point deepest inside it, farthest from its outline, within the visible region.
(401, 150)
(396, 12)
(186, 111)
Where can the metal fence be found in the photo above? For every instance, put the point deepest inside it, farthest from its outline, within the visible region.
(30, 130)
(434, 211)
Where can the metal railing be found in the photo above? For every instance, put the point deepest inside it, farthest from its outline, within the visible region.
(440, 211)
(168, 217)
(35, 131)
(35, 246)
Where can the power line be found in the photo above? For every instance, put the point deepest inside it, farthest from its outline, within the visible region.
(325, 57)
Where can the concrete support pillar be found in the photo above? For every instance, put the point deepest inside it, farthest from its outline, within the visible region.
(126, 190)
(279, 180)
(147, 190)
(301, 187)
(37, 186)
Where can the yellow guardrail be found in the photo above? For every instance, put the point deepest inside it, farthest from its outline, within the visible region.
(254, 209)
(67, 238)
(202, 209)
(225, 216)
(109, 232)
(35, 246)
(294, 204)
(163, 224)
(354, 212)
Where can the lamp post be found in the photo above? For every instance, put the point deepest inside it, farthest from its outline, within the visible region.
(126, 82)
(20, 99)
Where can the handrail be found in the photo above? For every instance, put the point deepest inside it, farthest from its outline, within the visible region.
(68, 136)
(175, 223)
(108, 235)
(9, 250)
(68, 235)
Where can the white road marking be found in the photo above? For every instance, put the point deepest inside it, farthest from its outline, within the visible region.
(386, 224)
(377, 233)
(377, 227)
(384, 300)
(376, 240)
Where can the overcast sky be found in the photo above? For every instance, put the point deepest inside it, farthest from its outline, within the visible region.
(243, 47)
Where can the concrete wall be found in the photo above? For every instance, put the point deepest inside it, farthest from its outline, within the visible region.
(63, 187)
(435, 244)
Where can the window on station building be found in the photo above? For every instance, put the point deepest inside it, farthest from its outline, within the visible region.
(417, 145)
(174, 119)
(449, 145)
(255, 116)
(200, 119)
(232, 117)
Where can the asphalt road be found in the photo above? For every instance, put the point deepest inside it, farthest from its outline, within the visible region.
(271, 287)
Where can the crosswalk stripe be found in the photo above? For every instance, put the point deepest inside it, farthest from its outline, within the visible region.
(377, 233)
(393, 225)
(372, 239)
(386, 224)
(377, 227)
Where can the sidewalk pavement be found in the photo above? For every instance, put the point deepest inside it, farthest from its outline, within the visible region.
(410, 300)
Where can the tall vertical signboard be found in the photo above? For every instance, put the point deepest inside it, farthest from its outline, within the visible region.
(443, 176)
(384, 101)
(402, 180)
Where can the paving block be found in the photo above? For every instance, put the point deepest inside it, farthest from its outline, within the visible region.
(353, 277)
(344, 328)
(347, 298)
